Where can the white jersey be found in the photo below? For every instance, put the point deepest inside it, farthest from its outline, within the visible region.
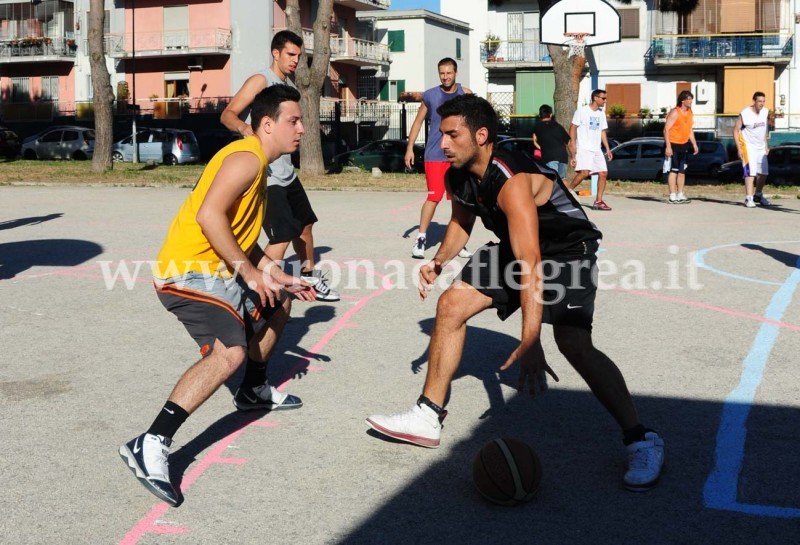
(753, 135)
(591, 123)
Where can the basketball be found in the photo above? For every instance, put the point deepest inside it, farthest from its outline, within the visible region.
(507, 472)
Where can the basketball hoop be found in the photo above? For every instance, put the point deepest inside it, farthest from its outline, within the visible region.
(576, 44)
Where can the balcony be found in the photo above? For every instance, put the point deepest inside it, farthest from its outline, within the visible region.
(364, 4)
(44, 49)
(211, 41)
(353, 51)
(722, 49)
(513, 54)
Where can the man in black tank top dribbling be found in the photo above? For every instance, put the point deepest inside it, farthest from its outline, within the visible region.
(546, 243)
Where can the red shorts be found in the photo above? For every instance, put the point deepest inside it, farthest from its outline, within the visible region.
(434, 175)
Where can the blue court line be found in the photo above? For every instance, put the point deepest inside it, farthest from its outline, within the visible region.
(699, 259)
(722, 484)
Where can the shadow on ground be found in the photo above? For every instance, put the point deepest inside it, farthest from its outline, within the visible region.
(13, 224)
(17, 257)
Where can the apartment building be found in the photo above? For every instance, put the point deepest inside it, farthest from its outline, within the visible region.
(167, 56)
(723, 52)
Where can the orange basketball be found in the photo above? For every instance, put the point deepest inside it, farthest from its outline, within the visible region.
(507, 471)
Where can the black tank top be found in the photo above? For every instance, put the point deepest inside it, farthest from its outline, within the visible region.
(564, 228)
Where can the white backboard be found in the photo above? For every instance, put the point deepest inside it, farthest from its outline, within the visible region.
(597, 18)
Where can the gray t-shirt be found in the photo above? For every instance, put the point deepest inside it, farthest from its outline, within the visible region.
(280, 171)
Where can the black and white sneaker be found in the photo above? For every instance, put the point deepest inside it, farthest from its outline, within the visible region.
(264, 398)
(146, 456)
(320, 284)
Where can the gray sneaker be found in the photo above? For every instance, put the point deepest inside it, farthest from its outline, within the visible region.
(645, 460)
(758, 198)
(320, 284)
(264, 398)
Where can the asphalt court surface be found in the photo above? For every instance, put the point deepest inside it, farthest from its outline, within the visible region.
(697, 306)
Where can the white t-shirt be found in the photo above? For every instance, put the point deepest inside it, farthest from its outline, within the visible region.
(754, 128)
(590, 124)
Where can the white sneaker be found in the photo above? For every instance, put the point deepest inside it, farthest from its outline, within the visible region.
(762, 200)
(320, 284)
(265, 397)
(146, 456)
(682, 198)
(419, 425)
(465, 253)
(645, 460)
(673, 198)
(418, 250)
(749, 203)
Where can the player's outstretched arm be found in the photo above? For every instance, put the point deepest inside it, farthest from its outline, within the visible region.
(240, 101)
(413, 133)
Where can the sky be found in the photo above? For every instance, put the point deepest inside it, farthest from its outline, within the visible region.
(430, 5)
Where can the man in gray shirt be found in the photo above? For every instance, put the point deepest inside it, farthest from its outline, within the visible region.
(289, 216)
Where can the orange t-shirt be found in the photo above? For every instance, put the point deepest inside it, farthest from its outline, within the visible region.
(682, 128)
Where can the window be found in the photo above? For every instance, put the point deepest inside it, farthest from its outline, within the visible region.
(54, 136)
(176, 27)
(70, 136)
(458, 49)
(626, 152)
(627, 94)
(20, 89)
(50, 88)
(391, 90)
(629, 21)
(365, 88)
(397, 41)
(652, 150)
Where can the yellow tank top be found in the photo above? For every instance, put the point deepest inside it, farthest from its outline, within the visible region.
(186, 248)
(682, 128)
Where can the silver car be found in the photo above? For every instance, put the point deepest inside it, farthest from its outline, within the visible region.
(63, 142)
(170, 146)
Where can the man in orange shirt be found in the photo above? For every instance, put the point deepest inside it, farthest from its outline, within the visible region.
(678, 133)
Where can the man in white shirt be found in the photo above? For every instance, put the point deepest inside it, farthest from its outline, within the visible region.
(587, 133)
(751, 135)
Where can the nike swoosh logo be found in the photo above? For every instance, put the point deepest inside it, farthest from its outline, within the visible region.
(170, 412)
(250, 399)
(570, 307)
(136, 447)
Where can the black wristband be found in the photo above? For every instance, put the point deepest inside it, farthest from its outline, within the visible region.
(441, 412)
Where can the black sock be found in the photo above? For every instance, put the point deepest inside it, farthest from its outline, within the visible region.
(169, 419)
(255, 373)
(306, 272)
(634, 434)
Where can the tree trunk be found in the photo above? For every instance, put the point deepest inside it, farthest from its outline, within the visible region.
(568, 73)
(101, 87)
(310, 80)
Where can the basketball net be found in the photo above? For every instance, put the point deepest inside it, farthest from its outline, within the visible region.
(577, 46)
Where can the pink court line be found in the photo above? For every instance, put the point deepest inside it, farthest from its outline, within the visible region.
(415, 204)
(149, 524)
(711, 307)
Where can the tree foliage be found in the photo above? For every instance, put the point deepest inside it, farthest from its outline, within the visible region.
(101, 87)
(310, 78)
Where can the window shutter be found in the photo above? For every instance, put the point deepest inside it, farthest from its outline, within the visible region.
(397, 40)
(458, 48)
(629, 19)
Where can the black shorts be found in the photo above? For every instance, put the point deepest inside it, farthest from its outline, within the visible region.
(680, 156)
(211, 308)
(570, 284)
(288, 212)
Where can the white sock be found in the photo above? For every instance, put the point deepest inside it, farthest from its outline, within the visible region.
(421, 236)
(673, 196)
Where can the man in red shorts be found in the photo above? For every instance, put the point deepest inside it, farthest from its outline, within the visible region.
(436, 163)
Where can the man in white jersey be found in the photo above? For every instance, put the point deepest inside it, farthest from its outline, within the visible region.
(289, 216)
(751, 134)
(587, 132)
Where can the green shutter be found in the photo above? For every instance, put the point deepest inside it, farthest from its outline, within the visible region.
(458, 48)
(401, 87)
(397, 40)
(384, 93)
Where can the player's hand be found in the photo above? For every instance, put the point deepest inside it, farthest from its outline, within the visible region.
(267, 289)
(740, 154)
(668, 152)
(533, 368)
(610, 155)
(696, 150)
(296, 286)
(427, 276)
(410, 159)
(573, 162)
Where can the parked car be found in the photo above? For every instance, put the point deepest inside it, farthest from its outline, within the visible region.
(170, 146)
(710, 156)
(387, 155)
(784, 166)
(524, 145)
(639, 159)
(10, 143)
(212, 141)
(62, 142)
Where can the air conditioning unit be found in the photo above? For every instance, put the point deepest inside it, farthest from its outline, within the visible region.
(196, 63)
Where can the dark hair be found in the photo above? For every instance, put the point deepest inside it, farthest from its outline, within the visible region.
(280, 39)
(683, 95)
(268, 102)
(545, 111)
(476, 111)
(597, 92)
(448, 60)
(759, 94)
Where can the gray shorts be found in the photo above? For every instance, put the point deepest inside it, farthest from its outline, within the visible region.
(211, 308)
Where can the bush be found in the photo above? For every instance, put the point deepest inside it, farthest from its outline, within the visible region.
(616, 110)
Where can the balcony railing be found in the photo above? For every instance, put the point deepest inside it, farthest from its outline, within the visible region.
(164, 43)
(353, 50)
(514, 52)
(721, 48)
(25, 49)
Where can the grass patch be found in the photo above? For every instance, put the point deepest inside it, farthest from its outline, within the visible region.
(22, 172)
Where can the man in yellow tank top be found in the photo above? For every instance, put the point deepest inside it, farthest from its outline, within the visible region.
(678, 135)
(214, 277)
